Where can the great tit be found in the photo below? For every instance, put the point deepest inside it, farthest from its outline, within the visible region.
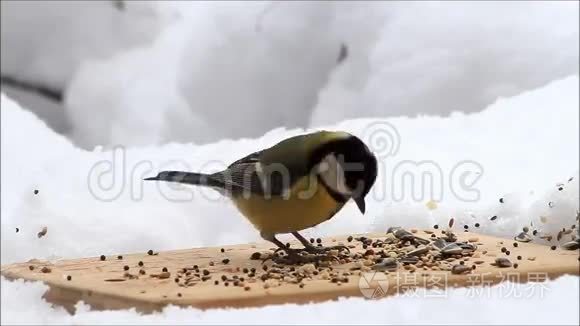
(296, 184)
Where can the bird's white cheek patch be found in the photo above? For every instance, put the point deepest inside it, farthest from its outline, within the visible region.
(333, 175)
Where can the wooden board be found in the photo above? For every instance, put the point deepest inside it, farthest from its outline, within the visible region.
(148, 293)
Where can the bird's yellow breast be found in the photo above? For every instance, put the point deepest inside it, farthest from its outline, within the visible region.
(306, 205)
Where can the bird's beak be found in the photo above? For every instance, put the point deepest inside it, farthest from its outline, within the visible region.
(151, 178)
(360, 202)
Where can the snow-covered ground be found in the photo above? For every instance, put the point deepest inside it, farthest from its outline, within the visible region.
(522, 149)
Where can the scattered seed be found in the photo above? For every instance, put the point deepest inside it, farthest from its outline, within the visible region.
(349, 239)
(256, 256)
(17, 230)
(205, 272)
(435, 226)
(515, 244)
(553, 247)
(503, 262)
(476, 225)
(501, 200)
(503, 249)
(179, 294)
(507, 252)
(535, 232)
(46, 269)
(68, 277)
(519, 257)
(516, 265)
(211, 263)
(466, 227)
(140, 263)
(142, 271)
(31, 267)
(42, 232)
(493, 218)
(551, 204)
(126, 268)
(164, 269)
(36, 191)
(103, 257)
(451, 222)
(120, 257)
(247, 288)
(225, 261)
(531, 258)
(301, 285)
(150, 252)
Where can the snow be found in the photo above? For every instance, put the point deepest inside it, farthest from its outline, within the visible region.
(161, 72)
(520, 148)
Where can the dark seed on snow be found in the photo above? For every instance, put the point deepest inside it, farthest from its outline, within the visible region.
(222, 250)
(501, 200)
(150, 252)
(553, 247)
(435, 226)
(17, 230)
(349, 239)
(68, 277)
(535, 232)
(493, 218)
(476, 225)
(120, 257)
(560, 189)
(103, 257)
(466, 227)
(36, 191)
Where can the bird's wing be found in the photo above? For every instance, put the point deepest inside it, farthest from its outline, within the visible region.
(253, 178)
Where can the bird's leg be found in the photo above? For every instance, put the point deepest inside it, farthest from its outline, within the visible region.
(316, 250)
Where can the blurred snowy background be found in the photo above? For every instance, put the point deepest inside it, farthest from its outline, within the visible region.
(153, 72)
(491, 87)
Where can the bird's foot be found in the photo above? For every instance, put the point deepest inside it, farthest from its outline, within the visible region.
(326, 250)
(299, 257)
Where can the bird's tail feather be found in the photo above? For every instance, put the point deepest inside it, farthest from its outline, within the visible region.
(191, 178)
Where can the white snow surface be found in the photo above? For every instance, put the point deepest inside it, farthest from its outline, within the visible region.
(164, 71)
(522, 149)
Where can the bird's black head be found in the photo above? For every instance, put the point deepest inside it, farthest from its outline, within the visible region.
(347, 167)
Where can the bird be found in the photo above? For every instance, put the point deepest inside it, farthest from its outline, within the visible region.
(295, 184)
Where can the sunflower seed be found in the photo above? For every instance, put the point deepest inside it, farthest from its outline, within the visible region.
(523, 237)
(503, 262)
